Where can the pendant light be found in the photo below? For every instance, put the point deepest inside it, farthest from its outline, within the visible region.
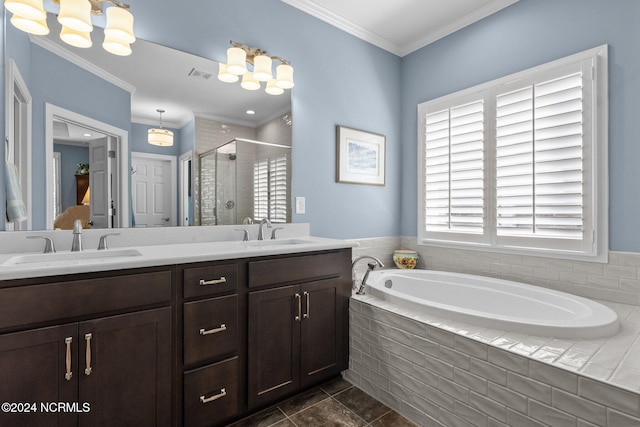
(160, 136)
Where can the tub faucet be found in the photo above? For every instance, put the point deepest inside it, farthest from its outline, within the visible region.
(371, 266)
(262, 223)
(76, 245)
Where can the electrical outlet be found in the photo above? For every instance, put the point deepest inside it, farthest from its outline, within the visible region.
(300, 205)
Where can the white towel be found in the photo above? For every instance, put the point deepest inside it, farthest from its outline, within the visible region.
(16, 211)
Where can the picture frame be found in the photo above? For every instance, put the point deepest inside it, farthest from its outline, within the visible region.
(360, 156)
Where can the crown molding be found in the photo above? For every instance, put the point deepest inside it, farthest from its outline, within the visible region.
(56, 49)
(456, 25)
(343, 24)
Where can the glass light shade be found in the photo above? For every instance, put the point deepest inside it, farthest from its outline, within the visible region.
(262, 68)
(30, 9)
(31, 26)
(272, 89)
(76, 14)
(119, 25)
(160, 136)
(284, 76)
(249, 82)
(224, 74)
(236, 61)
(116, 47)
(75, 38)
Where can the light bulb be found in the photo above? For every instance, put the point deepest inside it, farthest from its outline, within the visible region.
(76, 15)
(119, 25)
(236, 61)
(249, 82)
(262, 68)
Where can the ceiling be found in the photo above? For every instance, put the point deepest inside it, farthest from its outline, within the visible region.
(400, 26)
(182, 84)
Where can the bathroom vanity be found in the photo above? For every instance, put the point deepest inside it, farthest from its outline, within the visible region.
(175, 343)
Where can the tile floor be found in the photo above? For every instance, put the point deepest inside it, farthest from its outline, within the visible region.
(336, 403)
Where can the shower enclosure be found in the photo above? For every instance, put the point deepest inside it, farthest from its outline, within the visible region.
(244, 181)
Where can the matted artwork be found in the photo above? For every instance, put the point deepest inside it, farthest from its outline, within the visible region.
(360, 156)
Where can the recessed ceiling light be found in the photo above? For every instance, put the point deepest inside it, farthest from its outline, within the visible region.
(87, 134)
(250, 112)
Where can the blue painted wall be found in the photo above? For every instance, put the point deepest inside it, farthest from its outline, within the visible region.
(526, 34)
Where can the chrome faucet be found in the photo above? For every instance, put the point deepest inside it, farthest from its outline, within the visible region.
(370, 267)
(262, 223)
(76, 245)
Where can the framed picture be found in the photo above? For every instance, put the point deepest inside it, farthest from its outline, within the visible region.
(360, 156)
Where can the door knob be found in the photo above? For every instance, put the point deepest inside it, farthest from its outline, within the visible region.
(166, 219)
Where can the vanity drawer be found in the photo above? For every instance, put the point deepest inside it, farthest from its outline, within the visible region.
(211, 394)
(294, 269)
(211, 280)
(210, 328)
(46, 303)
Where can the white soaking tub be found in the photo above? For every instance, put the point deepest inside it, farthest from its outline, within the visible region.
(494, 303)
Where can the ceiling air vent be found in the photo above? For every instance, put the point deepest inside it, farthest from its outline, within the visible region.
(201, 74)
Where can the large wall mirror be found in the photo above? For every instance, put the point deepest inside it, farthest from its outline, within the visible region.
(77, 122)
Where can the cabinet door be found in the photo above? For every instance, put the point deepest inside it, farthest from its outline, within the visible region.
(274, 343)
(33, 368)
(125, 369)
(321, 329)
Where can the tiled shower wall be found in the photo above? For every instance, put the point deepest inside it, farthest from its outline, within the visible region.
(616, 281)
(438, 378)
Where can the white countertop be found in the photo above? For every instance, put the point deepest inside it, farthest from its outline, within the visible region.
(162, 249)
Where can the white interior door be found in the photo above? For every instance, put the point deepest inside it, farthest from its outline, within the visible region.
(153, 188)
(100, 182)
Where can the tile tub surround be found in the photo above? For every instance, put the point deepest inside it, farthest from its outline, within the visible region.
(616, 281)
(444, 373)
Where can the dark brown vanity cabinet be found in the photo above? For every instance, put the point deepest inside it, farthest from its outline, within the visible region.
(107, 370)
(297, 325)
(211, 343)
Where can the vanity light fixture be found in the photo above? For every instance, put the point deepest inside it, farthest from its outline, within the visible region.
(237, 58)
(75, 18)
(160, 136)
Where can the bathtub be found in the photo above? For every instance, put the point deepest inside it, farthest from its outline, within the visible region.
(494, 303)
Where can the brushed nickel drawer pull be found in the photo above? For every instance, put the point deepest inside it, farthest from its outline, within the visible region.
(87, 370)
(297, 318)
(306, 314)
(69, 374)
(222, 328)
(213, 282)
(223, 393)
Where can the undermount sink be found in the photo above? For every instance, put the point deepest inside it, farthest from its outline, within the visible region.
(70, 258)
(274, 242)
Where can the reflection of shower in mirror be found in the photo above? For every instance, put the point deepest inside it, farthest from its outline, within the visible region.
(244, 180)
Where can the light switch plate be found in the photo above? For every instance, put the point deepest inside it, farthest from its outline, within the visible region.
(300, 205)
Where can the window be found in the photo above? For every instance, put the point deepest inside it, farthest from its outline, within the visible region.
(520, 163)
(270, 189)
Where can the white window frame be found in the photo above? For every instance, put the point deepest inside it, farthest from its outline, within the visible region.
(594, 245)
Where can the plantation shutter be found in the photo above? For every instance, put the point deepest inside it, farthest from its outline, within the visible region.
(260, 190)
(278, 189)
(454, 169)
(539, 159)
(270, 189)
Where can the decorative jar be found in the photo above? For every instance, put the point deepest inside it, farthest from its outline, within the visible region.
(405, 258)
